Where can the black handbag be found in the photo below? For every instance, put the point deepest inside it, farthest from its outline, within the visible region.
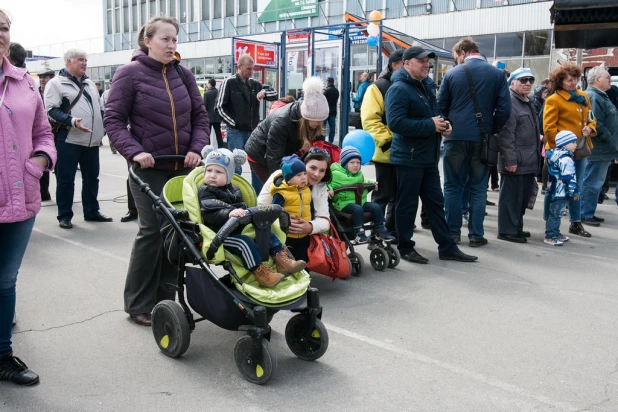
(489, 143)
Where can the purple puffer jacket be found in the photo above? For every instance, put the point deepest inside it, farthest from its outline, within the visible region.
(165, 118)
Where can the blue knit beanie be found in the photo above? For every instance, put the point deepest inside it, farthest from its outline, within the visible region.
(348, 153)
(291, 166)
(565, 137)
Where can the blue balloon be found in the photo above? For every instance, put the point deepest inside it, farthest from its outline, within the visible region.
(363, 142)
(372, 41)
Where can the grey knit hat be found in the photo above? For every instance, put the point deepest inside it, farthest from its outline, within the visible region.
(225, 159)
(314, 106)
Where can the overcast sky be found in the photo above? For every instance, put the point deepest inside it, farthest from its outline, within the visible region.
(44, 22)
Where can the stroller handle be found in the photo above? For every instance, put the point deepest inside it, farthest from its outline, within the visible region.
(162, 158)
(358, 188)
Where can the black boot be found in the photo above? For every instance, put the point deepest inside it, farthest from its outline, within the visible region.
(14, 370)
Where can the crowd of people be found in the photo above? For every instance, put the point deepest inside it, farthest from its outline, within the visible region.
(155, 108)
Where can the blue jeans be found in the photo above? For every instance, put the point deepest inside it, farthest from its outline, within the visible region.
(594, 178)
(331, 120)
(358, 211)
(574, 205)
(462, 165)
(69, 156)
(14, 238)
(236, 139)
(552, 225)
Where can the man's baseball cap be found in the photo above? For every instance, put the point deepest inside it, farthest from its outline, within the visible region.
(330, 80)
(48, 73)
(416, 52)
(395, 56)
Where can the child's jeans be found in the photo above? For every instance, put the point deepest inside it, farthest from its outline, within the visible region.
(552, 225)
(357, 214)
(244, 247)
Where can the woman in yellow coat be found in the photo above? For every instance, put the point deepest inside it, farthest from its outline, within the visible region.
(568, 109)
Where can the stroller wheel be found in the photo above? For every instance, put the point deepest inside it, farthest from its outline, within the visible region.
(256, 367)
(306, 345)
(357, 263)
(170, 328)
(394, 256)
(379, 259)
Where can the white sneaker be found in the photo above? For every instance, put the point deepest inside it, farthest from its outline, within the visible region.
(553, 242)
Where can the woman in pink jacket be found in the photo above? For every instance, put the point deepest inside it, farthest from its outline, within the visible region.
(26, 151)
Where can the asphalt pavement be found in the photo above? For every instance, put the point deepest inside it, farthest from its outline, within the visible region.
(528, 327)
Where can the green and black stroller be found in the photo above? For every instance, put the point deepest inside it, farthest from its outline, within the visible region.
(235, 301)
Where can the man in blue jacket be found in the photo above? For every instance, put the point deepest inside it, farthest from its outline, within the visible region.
(462, 148)
(412, 115)
(360, 91)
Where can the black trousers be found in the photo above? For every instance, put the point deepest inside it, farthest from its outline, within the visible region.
(220, 143)
(423, 182)
(515, 192)
(44, 182)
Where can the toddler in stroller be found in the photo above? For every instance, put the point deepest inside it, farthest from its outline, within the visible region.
(291, 192)
(220, 200)
(349, 173)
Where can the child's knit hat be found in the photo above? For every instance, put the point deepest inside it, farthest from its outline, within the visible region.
(565, 137)
(291, 166)
(314, 106)
(225, 159)
(348, 153)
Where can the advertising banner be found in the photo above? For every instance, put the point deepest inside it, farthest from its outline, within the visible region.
(263, 54)
(275, 10)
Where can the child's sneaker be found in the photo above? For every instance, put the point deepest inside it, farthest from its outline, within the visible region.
(286, 265)
(382, 234)
(553, 242)
(266, 277)
(562, 238)
(361, 238)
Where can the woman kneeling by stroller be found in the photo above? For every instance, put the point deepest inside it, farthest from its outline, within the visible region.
(349, 173)
(221, 200)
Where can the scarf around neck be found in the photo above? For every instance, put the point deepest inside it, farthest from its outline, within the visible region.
(576, 98)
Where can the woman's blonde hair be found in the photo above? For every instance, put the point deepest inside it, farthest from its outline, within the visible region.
(150, 29)
(307, 135)
(6, 16)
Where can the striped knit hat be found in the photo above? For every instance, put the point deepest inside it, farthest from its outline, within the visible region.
(565, 137)
(348, 153)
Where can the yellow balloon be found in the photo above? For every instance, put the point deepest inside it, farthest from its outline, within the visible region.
(375, 15)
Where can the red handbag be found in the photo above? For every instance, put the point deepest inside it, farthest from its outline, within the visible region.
(327, 255)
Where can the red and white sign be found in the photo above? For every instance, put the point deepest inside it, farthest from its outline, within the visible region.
(263, 54)
(298, 37)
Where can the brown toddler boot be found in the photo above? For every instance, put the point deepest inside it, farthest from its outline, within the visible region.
(266, 277)
(287, 265)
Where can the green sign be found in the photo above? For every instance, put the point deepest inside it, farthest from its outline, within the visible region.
(275, 10)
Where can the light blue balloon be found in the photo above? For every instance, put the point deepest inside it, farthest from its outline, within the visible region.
(363, 142)
(372, 41)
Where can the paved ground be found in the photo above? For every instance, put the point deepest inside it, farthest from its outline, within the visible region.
(527, 328)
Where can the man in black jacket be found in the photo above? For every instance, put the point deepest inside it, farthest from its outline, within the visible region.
(210, 99)
(238, 105)
(414, 118)
(332, 97)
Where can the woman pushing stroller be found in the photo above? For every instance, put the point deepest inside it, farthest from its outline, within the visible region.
(221, 200)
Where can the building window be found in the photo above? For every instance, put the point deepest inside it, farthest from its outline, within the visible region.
(229, 8)
(134, 17)
(153, 8)
(172, 8)
(125, 18)
(538, 43)
(144, 10)
(162, 10)
(243, 7)
(509, 45)
(117, 20)
(486, 45)
(217, 14)
(183, 11)
(205, 9)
